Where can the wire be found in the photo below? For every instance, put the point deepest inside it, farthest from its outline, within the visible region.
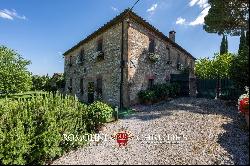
(134, 5)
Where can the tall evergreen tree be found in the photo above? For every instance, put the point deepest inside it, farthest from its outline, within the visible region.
(223, 45)
(242, 41)
(226, 45)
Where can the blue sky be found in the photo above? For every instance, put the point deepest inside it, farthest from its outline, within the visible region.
(42, 30)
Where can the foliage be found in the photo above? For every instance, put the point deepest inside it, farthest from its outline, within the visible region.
(239, 71)
(40, 82)
(14, 76)
(46, 83)
(159, 92)
(243, 102)
(224, 45)
(146, 95)
(229, 17)
(32, 129)
(100, 113)
(216, 68)
(153, 57)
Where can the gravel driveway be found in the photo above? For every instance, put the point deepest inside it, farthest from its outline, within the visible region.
(208, 132)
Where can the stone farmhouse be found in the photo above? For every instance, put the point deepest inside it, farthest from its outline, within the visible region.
(121, 58)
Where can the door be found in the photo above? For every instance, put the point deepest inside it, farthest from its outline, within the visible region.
(91, 92)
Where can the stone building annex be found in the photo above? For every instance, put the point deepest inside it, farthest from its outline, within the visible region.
(121, 58)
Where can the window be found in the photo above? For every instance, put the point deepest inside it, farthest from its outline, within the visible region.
(99, 45)
(151, 47)
(70, 61)
(70, 82)
(178, 64)
(81, 58)
(99, 87)
(81, 85)
(70, 85)
(168, 55)
(150, 83)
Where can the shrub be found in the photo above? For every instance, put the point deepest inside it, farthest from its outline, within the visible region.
(31, 129)
(146, 96)
(159, 92)
(100, 113)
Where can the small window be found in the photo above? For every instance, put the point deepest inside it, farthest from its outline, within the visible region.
(99, 87)
(81, 58)
(81, 85)
(151, 47)
(99, 45)
(178, 64)
(150, 83)
(186, 61)
(168, 54)
(70, 61)
(70, 82)
(70, 85)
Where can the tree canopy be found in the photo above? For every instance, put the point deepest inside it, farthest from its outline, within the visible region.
(14, 76)
(227, 16)
(239, 71)
(216, 68)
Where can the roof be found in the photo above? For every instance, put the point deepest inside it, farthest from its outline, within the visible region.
(118, 19)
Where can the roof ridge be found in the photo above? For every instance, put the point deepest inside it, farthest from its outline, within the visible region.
(119, 18)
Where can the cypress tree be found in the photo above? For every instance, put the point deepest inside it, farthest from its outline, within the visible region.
(226, 45)
(242, 41)
(223, 45)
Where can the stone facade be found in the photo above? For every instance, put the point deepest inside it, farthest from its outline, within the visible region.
(141, 69)
(137, 68)
(91, 69)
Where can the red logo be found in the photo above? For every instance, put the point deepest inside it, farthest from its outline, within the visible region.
(122, 137)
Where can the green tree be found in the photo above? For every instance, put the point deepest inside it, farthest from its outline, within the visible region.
(227, 16)
(40, 82)
(242, 41)
(224, 45)
(240, 65)
(14, 76)
(216, 68)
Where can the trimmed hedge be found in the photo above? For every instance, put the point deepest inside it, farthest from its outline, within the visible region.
(159, 92)
(31, 130)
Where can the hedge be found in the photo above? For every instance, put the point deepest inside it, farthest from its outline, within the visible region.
(31, 130)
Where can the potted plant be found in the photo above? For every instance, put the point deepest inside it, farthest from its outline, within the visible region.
(153, 57)
(243, 105)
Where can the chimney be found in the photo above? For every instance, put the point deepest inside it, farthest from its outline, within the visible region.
(172, 35)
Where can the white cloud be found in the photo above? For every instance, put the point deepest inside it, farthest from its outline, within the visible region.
(202, 3)
(114, 9)
(152, 8)
(200, 19)
(180, 21)
(10, 14)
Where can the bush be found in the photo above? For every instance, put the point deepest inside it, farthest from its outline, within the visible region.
(31, 129)
(146, 95)
(159, 92)
(100, 113)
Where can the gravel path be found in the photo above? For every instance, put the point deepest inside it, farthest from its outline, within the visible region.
(209, 132)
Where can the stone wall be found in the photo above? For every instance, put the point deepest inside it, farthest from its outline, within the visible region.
(108, 69)
(141, 69)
